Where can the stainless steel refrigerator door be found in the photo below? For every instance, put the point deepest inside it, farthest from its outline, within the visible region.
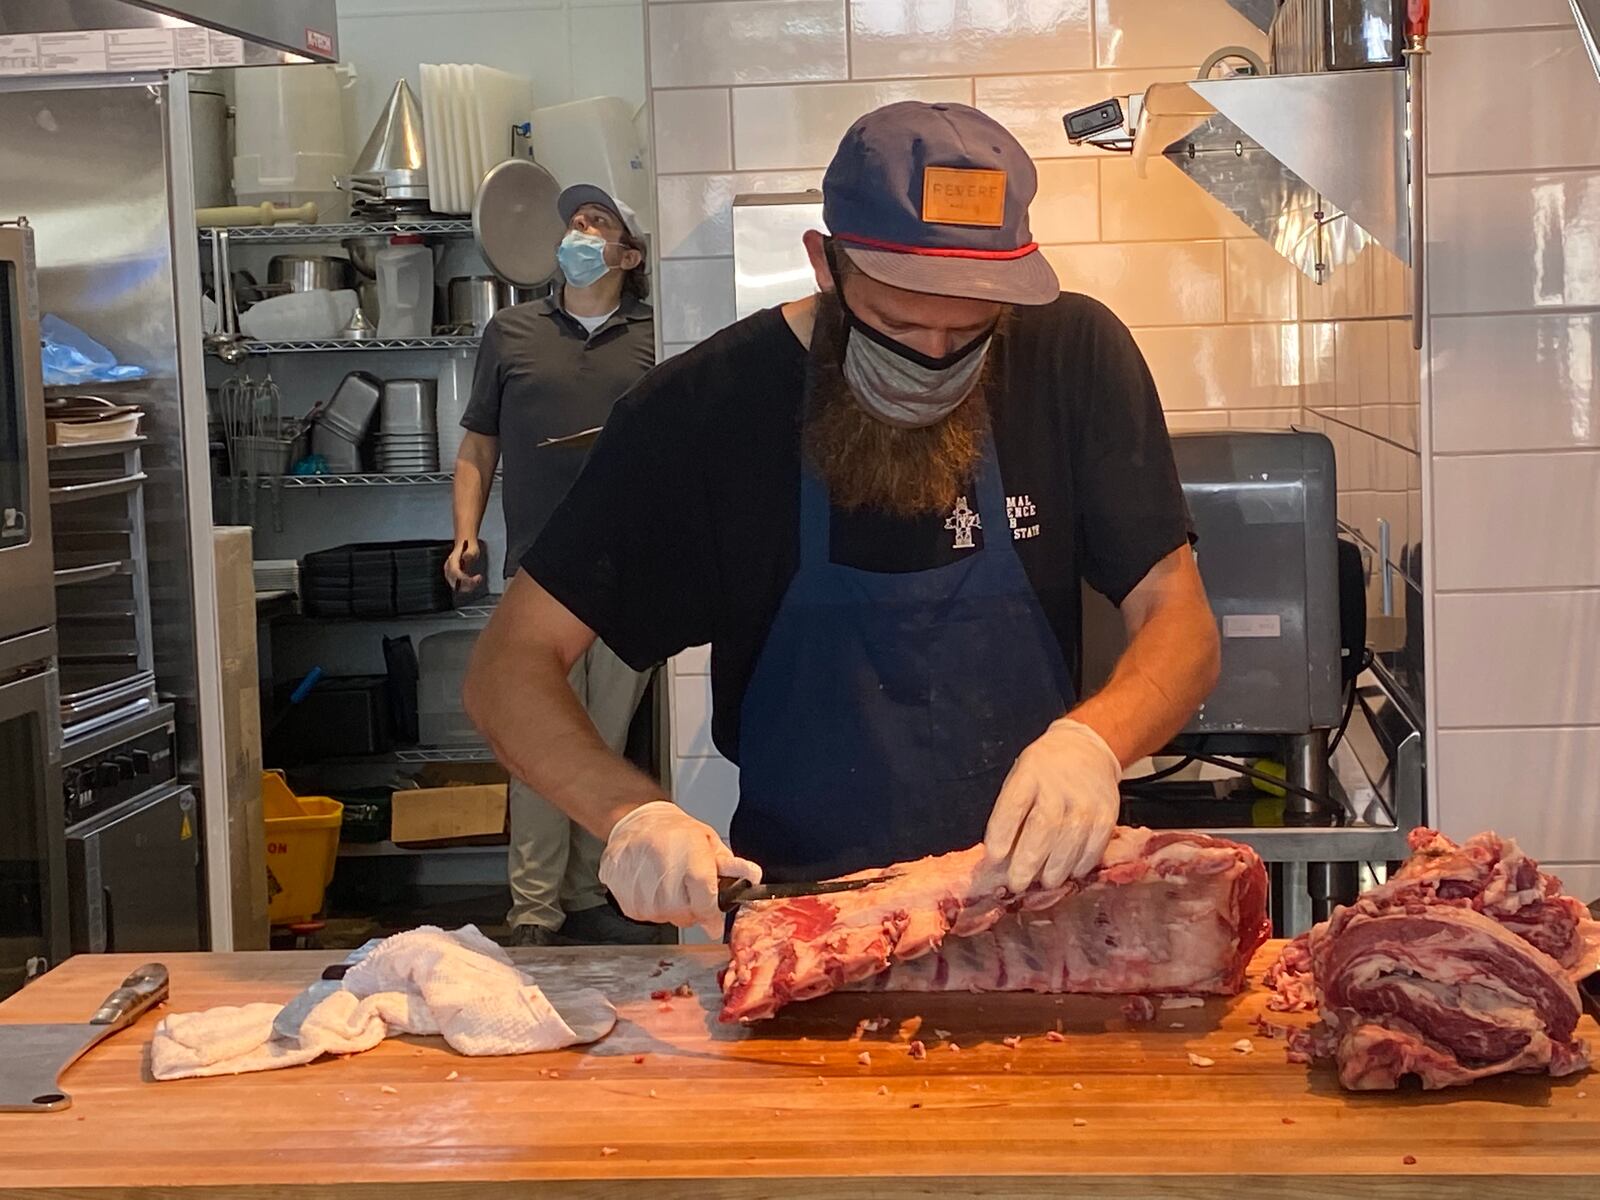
(26, 570)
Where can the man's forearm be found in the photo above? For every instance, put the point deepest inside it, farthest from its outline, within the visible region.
(1167, 670)
(521, 700)
(474, 476)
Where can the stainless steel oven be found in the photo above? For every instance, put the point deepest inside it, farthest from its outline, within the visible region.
(33, 909)
(26, 579)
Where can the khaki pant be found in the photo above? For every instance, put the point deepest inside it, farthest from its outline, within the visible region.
(554, 862)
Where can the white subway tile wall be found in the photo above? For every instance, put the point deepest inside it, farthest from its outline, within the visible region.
(1192, 275)
(780, 127)
(1457, 16)
(916, 38)
(1478, 128)
(1523, 382)
(1158, 33)
(1515, 504)
(747, 41)
(1544, 536)
(693, 130)
(1535, 237)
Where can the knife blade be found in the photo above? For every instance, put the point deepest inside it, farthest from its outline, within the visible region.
(1589, 985)
(733, 892)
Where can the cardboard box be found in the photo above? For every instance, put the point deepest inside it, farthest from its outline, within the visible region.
(457, 804)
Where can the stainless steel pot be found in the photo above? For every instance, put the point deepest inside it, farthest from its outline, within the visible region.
(473, 299)
(210, 142)
(362, 252)
(310, 272)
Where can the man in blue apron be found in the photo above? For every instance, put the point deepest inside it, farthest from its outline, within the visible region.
(878, 505)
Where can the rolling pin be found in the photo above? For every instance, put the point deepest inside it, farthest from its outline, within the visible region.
(265, 213)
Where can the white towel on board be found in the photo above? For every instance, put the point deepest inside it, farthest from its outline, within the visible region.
(459, 985)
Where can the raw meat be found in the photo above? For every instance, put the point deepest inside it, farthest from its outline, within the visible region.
(1461, 966)
(1164, 912)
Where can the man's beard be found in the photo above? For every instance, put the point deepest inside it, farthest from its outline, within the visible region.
(870, 464)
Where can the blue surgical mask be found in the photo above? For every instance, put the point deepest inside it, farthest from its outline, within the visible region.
(582, 258)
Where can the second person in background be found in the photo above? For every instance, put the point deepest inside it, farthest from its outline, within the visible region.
(546, 370)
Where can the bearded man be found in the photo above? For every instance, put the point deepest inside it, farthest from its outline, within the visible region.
(879, 506)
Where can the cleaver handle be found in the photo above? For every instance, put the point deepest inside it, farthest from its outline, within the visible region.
(142, 990)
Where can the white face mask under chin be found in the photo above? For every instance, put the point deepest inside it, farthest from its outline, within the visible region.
(903, 392)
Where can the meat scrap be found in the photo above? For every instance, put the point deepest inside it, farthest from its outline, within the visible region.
(1460, 967)
(1200, 1060)
(1163, 913)
(1137, 1009)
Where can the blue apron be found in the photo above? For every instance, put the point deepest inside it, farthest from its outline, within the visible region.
(885, 709)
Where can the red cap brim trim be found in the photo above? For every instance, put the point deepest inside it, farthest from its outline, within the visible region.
(867, 243)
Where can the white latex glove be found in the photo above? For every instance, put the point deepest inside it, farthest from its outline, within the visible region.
(662, 865)
(1057, 807)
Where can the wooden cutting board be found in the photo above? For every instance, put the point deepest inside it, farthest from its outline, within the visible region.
(786, 1107)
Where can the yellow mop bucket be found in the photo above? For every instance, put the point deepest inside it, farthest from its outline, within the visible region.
(302, 848)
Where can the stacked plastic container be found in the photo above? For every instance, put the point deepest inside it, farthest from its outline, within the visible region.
(289, 138)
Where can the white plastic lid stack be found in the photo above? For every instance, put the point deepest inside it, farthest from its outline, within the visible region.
(596, 141)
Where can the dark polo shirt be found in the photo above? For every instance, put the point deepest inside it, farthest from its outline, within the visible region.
(540, 375)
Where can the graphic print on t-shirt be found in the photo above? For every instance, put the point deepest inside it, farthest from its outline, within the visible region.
(1020, 511)
(963, 520)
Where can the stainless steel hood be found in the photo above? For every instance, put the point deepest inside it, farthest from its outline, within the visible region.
(1588, 14)
(1315, 164)
(99, 37)
(1258, 12)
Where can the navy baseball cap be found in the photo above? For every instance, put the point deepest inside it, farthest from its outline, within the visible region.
(934, 198)
(579, 194)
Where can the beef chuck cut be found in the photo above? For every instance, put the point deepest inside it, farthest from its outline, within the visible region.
(1460, 966)
(1163, 913)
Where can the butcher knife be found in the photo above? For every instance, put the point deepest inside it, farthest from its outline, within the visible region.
(32, 1057)
(733, 892)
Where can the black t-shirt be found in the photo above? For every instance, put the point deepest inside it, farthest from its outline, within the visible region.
(682, 528)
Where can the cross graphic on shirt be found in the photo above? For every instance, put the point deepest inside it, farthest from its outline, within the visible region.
(963, 520)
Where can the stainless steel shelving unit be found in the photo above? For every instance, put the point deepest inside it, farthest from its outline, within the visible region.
(342, 515)
(362, 480)
(102, 585)
(432, 227)
(348, 346)
(467, 612)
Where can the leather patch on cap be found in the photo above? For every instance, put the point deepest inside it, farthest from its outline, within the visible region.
(963, 196)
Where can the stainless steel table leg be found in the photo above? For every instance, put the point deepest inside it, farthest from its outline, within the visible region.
(1306, 766)
(1295, 916)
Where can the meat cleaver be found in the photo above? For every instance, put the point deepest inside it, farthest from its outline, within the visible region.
(733, 892)
(32, 1057)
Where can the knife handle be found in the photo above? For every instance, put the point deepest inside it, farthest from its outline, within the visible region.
(729, 889)
(142, 990)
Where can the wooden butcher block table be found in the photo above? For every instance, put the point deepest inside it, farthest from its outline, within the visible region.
(780, 1109)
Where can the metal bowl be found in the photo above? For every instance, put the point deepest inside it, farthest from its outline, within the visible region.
(310, 272)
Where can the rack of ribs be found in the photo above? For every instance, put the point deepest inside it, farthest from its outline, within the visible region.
(1461, 966)
(1163, 913)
